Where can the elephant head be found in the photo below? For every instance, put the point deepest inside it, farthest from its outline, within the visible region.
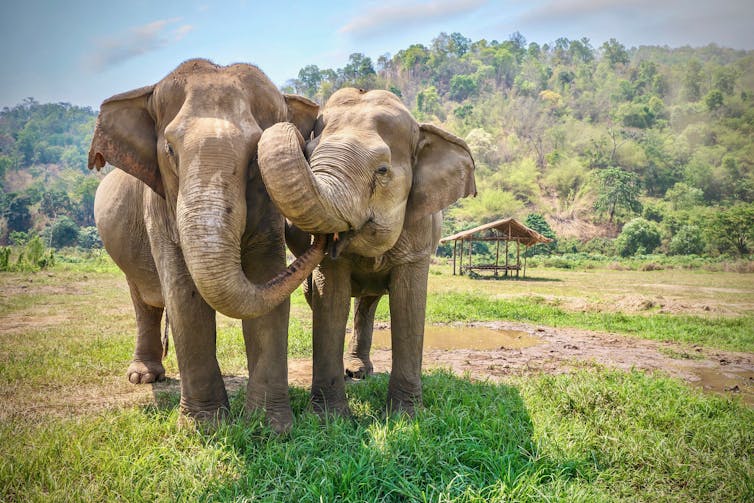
(371, 169)
(192, 138)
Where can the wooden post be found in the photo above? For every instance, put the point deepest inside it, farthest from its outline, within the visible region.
(525, 261)
(471, 243)
(460, 261)
(455, 243)
(497, 251)
(518, 258)
(506, 249)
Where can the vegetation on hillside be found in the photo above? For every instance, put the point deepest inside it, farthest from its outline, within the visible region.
(591, 138)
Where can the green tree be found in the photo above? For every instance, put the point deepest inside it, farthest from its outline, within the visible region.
(713, 100)
(17, 213)
(538, 223)
(615, 53)
(732, 229)
(617, 189)
(638, 237)
(311, 78)
(689, 240)
(64, 232)
(462, 86)
(692, 80)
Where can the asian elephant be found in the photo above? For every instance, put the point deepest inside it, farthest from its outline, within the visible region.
(378, 180)
(188, 220)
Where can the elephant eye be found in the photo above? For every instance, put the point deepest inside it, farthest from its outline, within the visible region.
(382, 170)
(169, 149)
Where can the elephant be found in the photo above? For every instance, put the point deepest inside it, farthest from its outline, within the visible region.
(377, 180)
(187, 218)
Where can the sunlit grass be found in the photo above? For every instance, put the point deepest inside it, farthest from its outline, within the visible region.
(590, 436)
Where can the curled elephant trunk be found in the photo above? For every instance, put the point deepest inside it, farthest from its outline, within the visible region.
(211, 217)
(302, 197)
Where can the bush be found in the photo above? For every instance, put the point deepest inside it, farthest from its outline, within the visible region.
(538, 223)
(638, 237)
(64, 232)
(689, 240)
(89, 238)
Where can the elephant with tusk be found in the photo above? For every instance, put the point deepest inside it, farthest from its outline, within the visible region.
(189, 221)
(379, 180)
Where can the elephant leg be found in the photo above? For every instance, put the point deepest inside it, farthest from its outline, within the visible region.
(146, 366)
(192, 321)
(266, 341)
(331, 296)
(408, 302)
(358, 364)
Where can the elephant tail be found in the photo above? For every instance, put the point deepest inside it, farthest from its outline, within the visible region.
(165, 340)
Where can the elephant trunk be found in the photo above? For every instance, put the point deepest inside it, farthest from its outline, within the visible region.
(211, 217)
(309, 201)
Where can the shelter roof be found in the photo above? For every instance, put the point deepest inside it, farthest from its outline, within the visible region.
(507, 229)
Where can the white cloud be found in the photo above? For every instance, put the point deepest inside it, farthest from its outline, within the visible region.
(393, 16)
(135, 42)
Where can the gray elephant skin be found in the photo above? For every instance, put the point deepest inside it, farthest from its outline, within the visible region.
(188, 220)
(379, 180)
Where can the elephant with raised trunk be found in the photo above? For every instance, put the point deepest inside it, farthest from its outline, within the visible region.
(188, 220)
(378, 180)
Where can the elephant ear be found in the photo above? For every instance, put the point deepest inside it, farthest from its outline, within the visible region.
(443, 173)
(302, 112)
(125, 137)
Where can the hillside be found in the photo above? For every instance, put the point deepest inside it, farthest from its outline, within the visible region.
(590, 138)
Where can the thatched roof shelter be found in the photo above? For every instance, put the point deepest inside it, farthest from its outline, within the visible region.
(507, 230)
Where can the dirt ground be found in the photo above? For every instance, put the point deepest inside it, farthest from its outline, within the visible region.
(555, 350)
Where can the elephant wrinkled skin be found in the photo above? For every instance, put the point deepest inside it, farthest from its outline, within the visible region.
(194, 230)
(378, 179)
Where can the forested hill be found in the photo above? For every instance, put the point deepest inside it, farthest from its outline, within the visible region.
(45, 184)
(590, 138)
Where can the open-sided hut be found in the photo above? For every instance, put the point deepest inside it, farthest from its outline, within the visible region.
(507, 230)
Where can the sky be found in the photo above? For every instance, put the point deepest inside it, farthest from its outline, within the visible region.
(83, 51)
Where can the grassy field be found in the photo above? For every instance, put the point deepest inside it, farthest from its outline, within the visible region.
(596, 434)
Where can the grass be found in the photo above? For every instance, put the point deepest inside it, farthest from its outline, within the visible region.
(590, 435)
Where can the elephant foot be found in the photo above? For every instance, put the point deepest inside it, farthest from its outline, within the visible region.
(404, 402)
(204, 421)
(357, 368)
(143, 371)
(330, 404)
(277, 412)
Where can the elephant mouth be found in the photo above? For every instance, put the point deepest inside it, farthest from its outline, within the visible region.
(339, 241)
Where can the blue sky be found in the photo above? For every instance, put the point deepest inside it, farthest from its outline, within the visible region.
(83, 51)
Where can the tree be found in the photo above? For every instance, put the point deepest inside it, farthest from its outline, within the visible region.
(692, 80)
(638, 237)
(310, 77)
(538, 223)
(615, 53)
(713, 100)
(462, 86)
(617, 189)
(732, 229)
(64, 232)
(689, 240)
(17, 213)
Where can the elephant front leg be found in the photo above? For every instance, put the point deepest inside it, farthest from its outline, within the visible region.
(192, 320)
(408, 301)
(146, 366)
(358, 363)
(331, 295)
(266, 341)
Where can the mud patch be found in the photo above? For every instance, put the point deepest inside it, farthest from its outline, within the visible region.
(450, 337)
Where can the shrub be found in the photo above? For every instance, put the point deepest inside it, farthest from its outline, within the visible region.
(64, 232)
(638, 237)
(689, 240)
(89, 238)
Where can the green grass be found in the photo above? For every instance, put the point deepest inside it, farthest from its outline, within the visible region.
(591, 436)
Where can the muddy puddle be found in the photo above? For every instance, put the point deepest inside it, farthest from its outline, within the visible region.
(464, 337)
(727, 382)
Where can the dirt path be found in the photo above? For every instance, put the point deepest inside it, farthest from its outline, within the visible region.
(565, 349)
(556, 350)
